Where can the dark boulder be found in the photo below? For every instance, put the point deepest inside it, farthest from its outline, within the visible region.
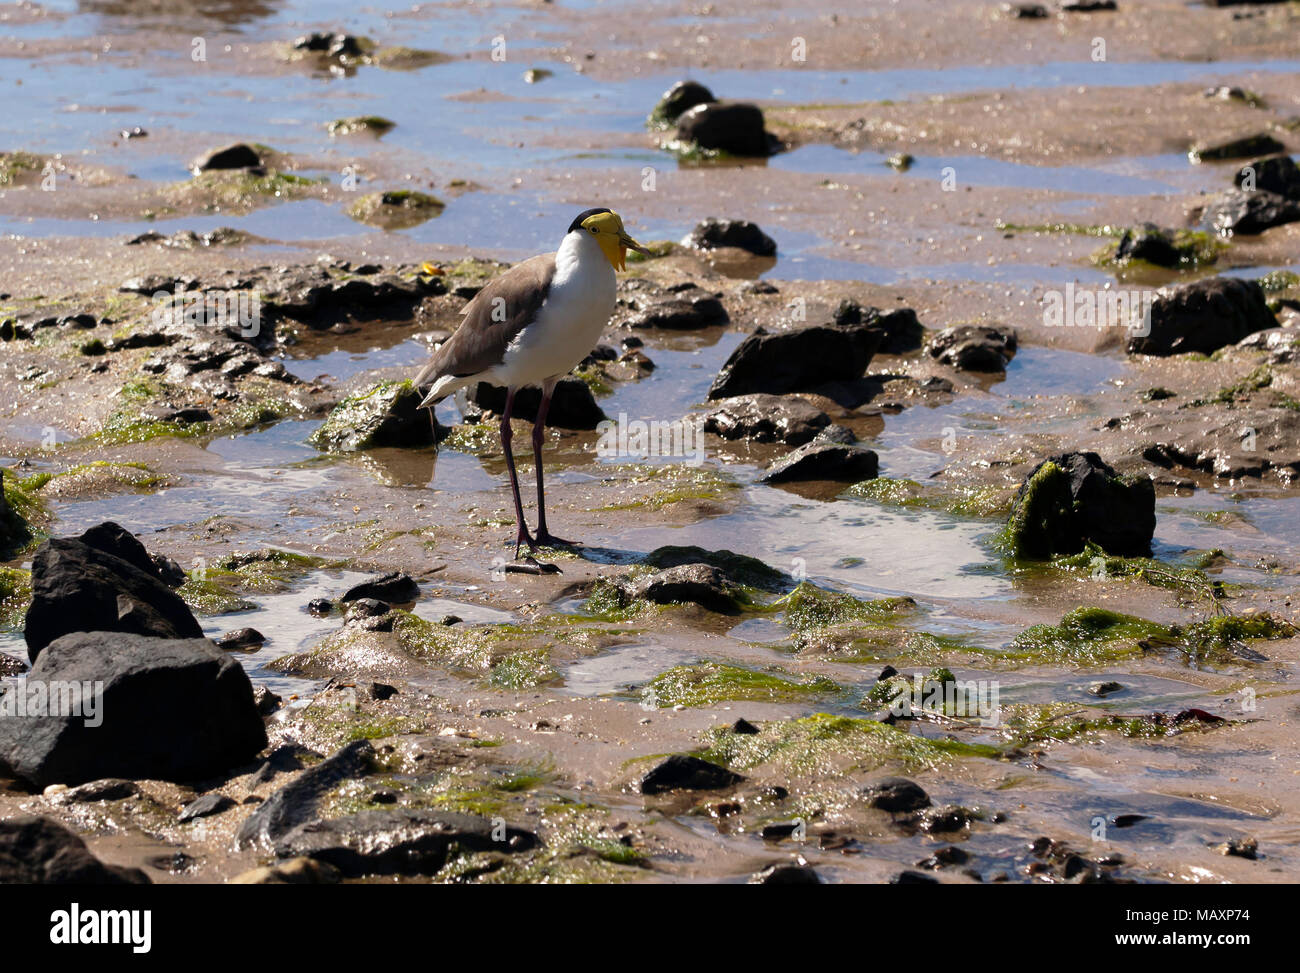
(145, 707)
(974, 348)
(237, 156)
(896, 794)
(1074, 498)
(736, 129)
(797, 361)
(102, 581)
(295, 803)
(682, 772)
(1203, 316)
(740, 234)
(39, 851)
(681, 97)
(395, 588)
(387, 414)
(1235, 147)
(824, 460)
(399, 842)
(784, 874)
(572, 404)
(901, 330)
(766, 419)
(737, 568)
(1276, 174)
(241, 639)
(685, 307)
(1239, 211)
(692, 584)
(1150, 244)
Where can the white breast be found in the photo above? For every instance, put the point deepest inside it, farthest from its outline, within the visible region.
(569, 322)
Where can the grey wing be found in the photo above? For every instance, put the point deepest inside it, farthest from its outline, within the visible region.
(498, 312)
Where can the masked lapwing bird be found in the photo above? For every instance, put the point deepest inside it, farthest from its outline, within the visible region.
(530, 327)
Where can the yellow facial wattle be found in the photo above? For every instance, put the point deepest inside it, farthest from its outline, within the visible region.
(613, 239)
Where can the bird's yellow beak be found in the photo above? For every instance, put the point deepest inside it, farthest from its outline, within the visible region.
(613, 239)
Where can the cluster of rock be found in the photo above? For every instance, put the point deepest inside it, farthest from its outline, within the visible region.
(700, 120)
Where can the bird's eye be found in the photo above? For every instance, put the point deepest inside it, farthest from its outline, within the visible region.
(593, 230)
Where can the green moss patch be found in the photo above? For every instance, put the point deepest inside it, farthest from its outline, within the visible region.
(15, 596)
(824, 744)
(974, 502)
(709, 683)
(808, 607)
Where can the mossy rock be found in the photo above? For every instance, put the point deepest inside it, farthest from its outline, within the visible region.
(375, 125)
(808, 607)
(386, 414)
(708, 683)
(397, 209)
(740, 568)
(17, 508)
(1088, 636)
(15, 596)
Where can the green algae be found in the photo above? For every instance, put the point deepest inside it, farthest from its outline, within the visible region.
(396, 209)
(808, 607)
(1025, 724)
(824, 744)
(14, 165)
(385, 414)
(709, 683)
(1086, 636)
(1045, 501)
(981, 502)
(678, 483)
(15, 596)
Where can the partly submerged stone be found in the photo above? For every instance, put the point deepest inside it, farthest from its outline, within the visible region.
(1275, 174)
(798, 360)
(685, 307)
(164, 709)
(387, 414)
(739, 569)
(740, 234)
(1071, 499)
(766, 419)
(40, 851)
(1239, 211)
(572, 404)
(396, 209)
(296, 803)
(1235, 147)
(237, 156)
(680, 98)
(821, 460)
(896, 794)
(1203, 316)
(685, 584)
(733, 128)
(394, 588)
(102, 581)
(400, 841)
(974, 348)
(901, 331)
(786, 874)
(683, 772)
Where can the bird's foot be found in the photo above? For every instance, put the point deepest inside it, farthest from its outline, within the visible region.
(546, 539)
(522, 538)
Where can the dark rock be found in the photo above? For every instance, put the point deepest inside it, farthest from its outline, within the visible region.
(241, 638)
(1026, 11)
(824, 461)
(15, 532)
(974, 348)
(395, 588)
(945, 857)
(1203, 316)
(1238, 211)
(399, 842)
(685, 308)
(901, 330)
(913, 878)
(1088, 6)
(842, 435)
(743, 725)
(205, 806)
(320, 606)
(82, 321)
(786, 875)
(797, 361)
(183, 416)
(9, 666)
(572, 404)
(1239, 147)
(1073, 498)
(682, 772)
(681, 97)
(693, 584)
(106, 789)
(169, 709)
(739, 569)
(941, 820)
(896, 794)
(266, 701)
(284, 759)
(295, 803)
(102, 581)
(1104, 688)
(237, 156)
(1150, 244)
(1275, 174)
(1211, 441)
(169, 572)
(39, 851)
(766, 419)
(740, 234)
(386, 415)
(736, 129)
(381, 691)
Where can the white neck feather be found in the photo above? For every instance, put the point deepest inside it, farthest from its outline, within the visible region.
(579, 247)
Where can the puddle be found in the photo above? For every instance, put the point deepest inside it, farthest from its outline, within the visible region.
(619, 669)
